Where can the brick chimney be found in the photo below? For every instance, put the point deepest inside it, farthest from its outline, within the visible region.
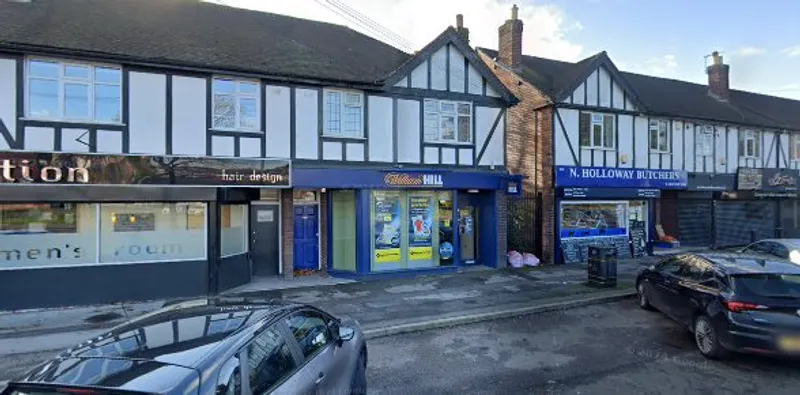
(510, 41)
(463, 31)
(718, 78)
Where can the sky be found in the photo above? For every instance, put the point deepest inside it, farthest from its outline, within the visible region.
(665, 38)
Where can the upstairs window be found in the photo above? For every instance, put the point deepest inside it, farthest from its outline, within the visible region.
(236, 105)
(704, 141)
(794, 144)
(344, 114)
(749, 144)
(596, 131)
(448, 122)
(74, 91)
(659, 136)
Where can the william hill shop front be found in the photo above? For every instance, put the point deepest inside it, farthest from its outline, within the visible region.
(88, 228)
(398, 222)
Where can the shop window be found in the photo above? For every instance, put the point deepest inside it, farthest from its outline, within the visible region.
(659, 136)
(446, 247)
(412, 229)
(236, 105)
(172, 231)
(344, 230)
(234, 232)
(749, 144)
(36, 235)
(74, 91)
(448, 122)
(596, 131)
(593, 219)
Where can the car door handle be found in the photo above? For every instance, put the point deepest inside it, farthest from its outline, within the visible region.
(320, 378)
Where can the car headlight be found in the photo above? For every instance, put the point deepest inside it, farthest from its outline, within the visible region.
(794, 257)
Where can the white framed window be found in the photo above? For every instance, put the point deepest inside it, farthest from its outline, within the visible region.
(448, 121)
(596, 131)
(236, 105)
(660, 136)
(749, 144)
(73, 91)
(344, 113)
(794, 146)
(704, 141)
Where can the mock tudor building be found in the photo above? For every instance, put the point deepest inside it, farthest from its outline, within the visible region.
(613, 154)
(153, 149)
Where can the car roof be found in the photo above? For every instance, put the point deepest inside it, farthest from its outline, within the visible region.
(737, 264)
(176, 340)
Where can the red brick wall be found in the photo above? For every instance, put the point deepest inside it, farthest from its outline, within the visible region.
(287, 214)
(529, 146)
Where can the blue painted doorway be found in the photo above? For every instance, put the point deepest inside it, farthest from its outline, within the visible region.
(306, 237)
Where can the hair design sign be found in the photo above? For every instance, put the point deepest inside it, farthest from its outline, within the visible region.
(97, 169)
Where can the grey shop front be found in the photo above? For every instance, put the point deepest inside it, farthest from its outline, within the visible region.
(80, 229)
(726, 210)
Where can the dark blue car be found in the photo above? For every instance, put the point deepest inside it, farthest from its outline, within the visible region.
(730, 302)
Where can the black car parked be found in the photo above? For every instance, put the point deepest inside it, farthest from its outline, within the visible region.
(730, 302)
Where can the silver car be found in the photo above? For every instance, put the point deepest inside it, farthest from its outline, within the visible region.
(214, 346)
(788, 249)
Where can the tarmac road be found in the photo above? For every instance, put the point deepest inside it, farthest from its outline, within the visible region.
(614, 349)
(603, 349)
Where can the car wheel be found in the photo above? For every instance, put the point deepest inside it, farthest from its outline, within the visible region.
(644, 302)
(706, 338)
(358, 385)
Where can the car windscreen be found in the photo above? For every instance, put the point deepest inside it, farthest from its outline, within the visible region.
(768, 285)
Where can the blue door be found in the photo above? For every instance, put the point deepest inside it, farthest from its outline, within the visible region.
(306, 237)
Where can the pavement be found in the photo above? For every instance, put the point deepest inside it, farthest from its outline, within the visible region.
(609, 349)
(383, 307)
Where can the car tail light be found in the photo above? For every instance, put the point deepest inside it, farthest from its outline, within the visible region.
(738, 307)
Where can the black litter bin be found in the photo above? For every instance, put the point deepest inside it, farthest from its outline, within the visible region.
(602, 266)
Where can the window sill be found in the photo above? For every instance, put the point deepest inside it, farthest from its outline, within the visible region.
(661, 152)
(749, 157)
(72, 121)
(225, 130)
(331, 136)
(461, 144)
(598, 148)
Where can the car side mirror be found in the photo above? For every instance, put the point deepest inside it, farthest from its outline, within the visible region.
(347, 333)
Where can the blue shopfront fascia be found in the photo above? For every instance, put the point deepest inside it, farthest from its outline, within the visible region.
(608, 184)
(363, 181)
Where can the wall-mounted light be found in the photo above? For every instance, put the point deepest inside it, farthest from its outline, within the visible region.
(623, 158)
(473, 191)
(323, 190)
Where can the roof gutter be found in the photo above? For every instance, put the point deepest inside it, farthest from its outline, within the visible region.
(26, 49)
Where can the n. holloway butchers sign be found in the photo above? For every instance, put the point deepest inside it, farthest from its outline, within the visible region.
(574, 176)
(97, 169)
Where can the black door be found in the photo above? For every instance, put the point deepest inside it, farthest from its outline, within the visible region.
(265, 239)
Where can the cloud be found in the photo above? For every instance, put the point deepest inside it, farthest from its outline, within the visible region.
(792, 51)
(749, 51)
(661, 66)
(419, 21)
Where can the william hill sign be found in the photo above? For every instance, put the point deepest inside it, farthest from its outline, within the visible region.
(413, 180)
(95, 169)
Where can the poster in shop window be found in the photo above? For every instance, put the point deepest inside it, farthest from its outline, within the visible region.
(420, 236)
(386, 224)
